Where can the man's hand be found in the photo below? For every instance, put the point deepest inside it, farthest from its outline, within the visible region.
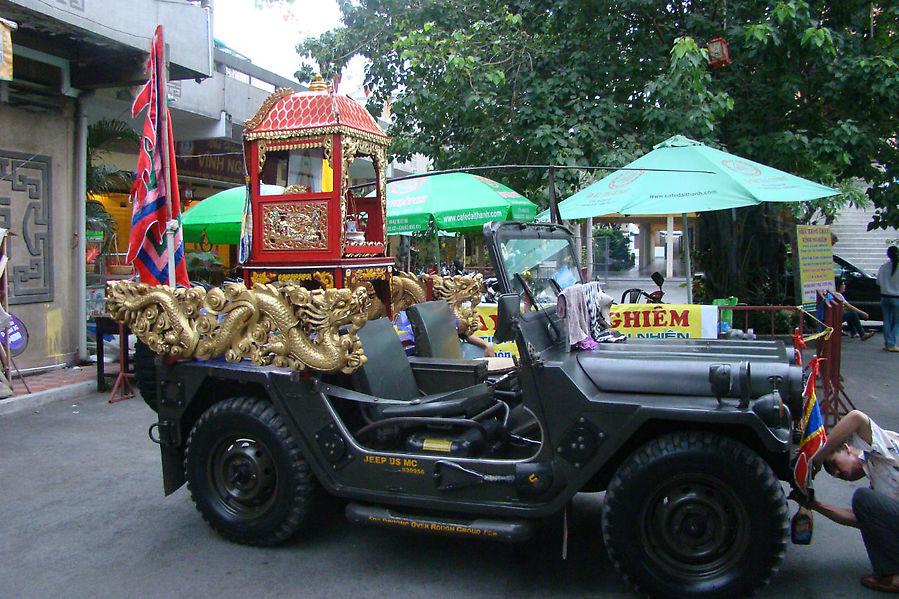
(817, 460)
(801, 499)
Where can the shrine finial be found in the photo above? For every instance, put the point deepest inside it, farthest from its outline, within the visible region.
(318, 84)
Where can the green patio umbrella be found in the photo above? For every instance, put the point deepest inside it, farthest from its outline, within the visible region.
(219, 215)
(454, 201)
(712, 180)
(709, 179)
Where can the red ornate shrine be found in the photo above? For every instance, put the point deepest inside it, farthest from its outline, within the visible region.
(305, 153)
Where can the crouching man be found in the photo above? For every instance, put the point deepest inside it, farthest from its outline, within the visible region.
(855, 448)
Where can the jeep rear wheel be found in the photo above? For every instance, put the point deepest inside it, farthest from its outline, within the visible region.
(695, 514)
(246, 473)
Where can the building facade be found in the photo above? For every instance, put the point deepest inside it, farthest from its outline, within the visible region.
(76, 62)
(66, 53)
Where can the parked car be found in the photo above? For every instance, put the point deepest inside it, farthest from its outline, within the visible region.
(861, 288)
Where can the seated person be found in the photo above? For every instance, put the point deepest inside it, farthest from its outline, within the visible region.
(852, 316)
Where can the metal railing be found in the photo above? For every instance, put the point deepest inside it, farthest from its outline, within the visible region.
(772, 309)
(834, 401)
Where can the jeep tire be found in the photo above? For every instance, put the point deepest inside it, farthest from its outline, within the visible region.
(694, 514)
(145, 373)
(246, 474)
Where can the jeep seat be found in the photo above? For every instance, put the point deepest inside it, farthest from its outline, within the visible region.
(434, 327)
(387, 374)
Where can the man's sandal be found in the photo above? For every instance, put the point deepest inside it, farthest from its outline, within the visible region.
(880, 583)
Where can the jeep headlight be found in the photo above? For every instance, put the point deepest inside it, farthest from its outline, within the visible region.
(771, 410)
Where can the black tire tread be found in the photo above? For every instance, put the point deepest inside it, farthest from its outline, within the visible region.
(740, 456)
(306, 485)
(145, 373)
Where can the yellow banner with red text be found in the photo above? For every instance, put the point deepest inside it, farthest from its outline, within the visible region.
(640, 321)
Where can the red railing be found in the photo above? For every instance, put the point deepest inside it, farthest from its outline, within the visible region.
(772, 309)
(834, 401)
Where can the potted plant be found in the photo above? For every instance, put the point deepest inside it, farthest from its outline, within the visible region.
(102, 178)
(204, 266)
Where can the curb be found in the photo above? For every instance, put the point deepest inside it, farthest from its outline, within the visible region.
(14, 405)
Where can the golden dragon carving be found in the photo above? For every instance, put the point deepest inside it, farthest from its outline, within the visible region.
(406, 289)
(458, 290)
(278, 323)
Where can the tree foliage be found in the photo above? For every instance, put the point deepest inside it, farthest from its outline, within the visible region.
(620, 256)
(812, 90)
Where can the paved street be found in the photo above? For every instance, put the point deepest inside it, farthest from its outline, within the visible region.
(83, 515)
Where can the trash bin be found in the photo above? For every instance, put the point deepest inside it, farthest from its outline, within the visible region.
(725, 317)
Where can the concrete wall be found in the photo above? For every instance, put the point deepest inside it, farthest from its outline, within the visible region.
(37, 205)
(188, 26)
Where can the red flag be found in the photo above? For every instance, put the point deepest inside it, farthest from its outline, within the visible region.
(813, 434)
(147, 245)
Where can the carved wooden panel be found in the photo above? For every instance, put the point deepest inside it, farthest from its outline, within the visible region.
(295, 226)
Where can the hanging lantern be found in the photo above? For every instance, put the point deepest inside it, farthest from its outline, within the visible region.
(718, 55)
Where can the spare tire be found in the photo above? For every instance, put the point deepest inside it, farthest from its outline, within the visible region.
(145, 373)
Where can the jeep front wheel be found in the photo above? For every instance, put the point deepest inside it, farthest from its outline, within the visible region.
(695, 514)
(145, 373)
(246, 473)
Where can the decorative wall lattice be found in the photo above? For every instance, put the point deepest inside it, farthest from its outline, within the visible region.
(25, 202)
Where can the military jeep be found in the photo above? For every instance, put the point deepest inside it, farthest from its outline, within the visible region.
(689, 438)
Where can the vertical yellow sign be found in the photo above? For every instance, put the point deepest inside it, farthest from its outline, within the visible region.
(815, 259)
(6, 28)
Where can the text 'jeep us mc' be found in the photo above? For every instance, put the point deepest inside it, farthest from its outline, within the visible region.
(689, 438)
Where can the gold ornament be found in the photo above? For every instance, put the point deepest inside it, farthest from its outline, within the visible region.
(279, 323)
(458, 290)
(406, 289)
(374, 308)
(295, 226)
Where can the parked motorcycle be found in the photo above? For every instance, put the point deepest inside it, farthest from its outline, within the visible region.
(636, 295)
(491, 290)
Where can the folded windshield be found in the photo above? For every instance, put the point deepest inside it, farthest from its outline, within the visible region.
(546, 265)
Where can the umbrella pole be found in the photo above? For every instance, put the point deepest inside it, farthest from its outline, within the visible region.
(437, 245)
(554, 215)
(669, 249)
(463, 252)
(588, 242)
(687, 258)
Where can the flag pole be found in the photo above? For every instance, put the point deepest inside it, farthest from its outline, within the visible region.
(171, 225)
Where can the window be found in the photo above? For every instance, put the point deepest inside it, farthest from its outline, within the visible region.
(302, 170)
